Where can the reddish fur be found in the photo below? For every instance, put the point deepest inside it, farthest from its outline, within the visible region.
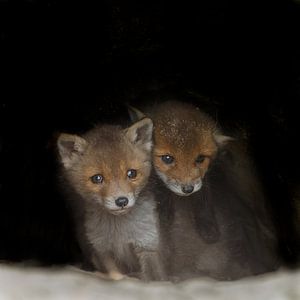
(112, 162)
(186, 134)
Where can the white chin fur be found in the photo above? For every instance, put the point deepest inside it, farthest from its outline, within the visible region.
(197, 186)
(181, 193)
(176, 188)
(119, 212)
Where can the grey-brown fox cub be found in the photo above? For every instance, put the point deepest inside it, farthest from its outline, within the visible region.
(105, 174)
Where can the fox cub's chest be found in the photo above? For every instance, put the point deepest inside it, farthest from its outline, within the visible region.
(118, 234)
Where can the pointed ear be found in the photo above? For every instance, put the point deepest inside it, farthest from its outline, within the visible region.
(70, 148)
(140, 133)
(135, 114)
(222, 140)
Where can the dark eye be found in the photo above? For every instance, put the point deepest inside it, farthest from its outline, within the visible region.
(167, 159)
(200, 159)
(131, 173)
(97, 179)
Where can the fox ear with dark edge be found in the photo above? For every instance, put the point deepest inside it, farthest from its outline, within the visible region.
(140, 133)
(135, 114)
(70, 148)
(222, 140)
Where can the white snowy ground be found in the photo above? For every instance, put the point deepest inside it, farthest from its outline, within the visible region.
(17, 283)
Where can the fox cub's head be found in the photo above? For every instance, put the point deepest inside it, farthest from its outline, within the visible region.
(185, 142)
(108, 165)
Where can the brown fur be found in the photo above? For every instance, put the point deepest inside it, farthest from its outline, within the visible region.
(183, 132)
(113, 237)
(108, 165)
(223, 230)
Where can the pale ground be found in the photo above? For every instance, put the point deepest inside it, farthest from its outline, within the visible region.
(19, 283)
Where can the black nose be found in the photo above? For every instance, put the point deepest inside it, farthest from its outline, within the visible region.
(187, 189)
(122, 201)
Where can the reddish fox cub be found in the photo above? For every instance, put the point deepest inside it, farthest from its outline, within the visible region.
(105, 174)
(186, 142)
(222, 229)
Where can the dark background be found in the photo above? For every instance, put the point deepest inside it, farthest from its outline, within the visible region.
(68, 64)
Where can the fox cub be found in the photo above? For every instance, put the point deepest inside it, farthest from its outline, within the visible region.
(212, 208)
(105, 176)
